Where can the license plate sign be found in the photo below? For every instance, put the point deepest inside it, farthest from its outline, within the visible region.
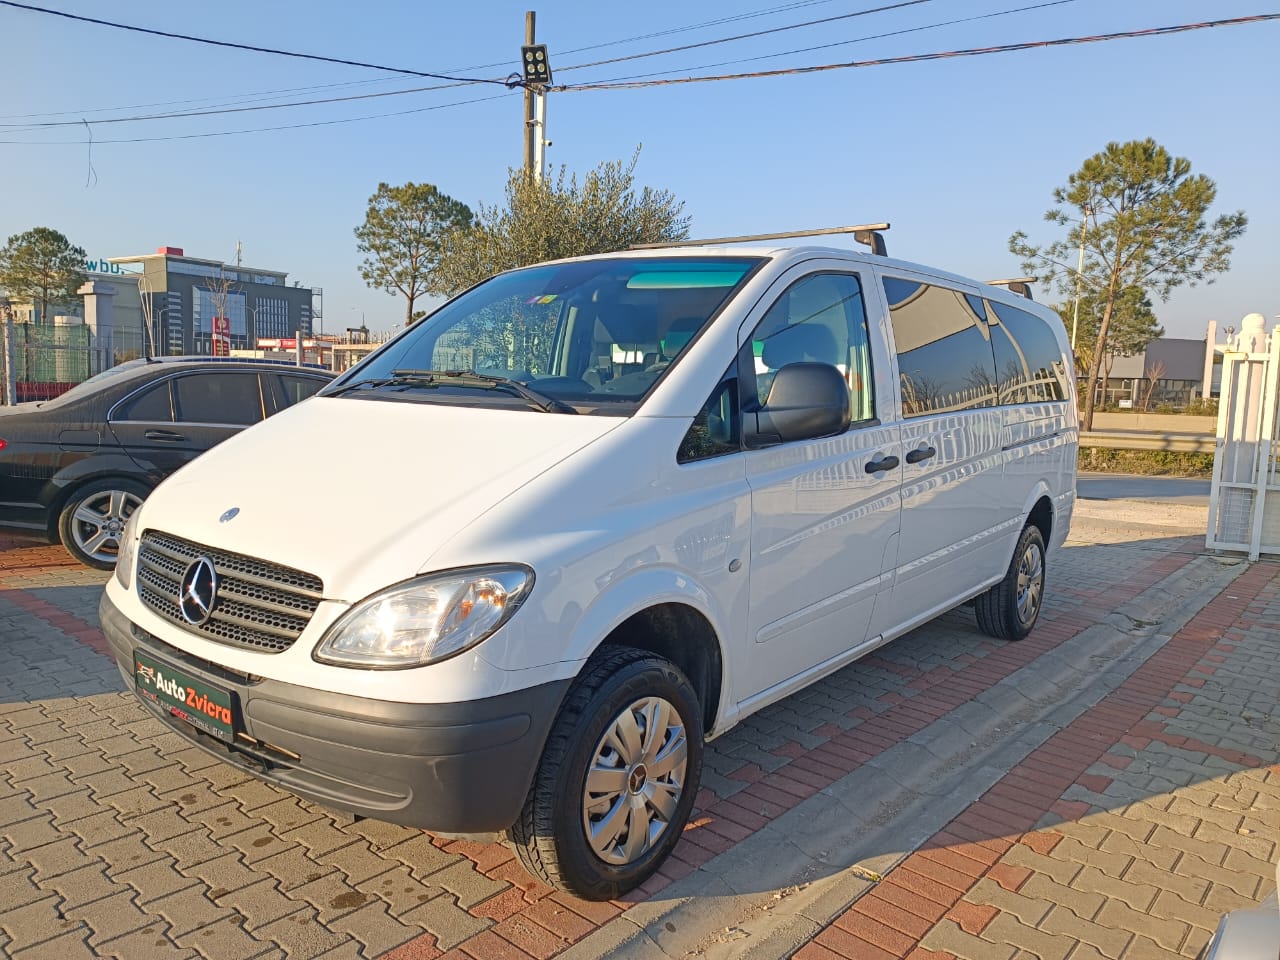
(200, 704)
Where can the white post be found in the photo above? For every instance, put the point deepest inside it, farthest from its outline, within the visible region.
(539, 131)
(9, 397)
(1075, 314)
(1210, 343)
(297, 347)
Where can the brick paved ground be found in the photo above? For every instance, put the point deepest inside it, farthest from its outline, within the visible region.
(118, 839)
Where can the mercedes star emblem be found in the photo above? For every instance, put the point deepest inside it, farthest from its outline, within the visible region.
(198, 592)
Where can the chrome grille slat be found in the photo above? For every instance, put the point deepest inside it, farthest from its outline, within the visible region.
(244, 577)
(261, 606)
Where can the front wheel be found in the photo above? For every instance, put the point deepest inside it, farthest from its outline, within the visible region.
(1009, 610)
(94, 517)
(616, 783)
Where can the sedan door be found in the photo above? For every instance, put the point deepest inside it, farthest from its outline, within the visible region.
(173, 422)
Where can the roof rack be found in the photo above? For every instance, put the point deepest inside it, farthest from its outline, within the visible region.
(868, 234)
(1019, 285)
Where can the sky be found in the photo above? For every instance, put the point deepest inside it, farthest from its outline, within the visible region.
(957, 153)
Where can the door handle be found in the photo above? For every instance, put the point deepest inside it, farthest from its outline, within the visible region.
(920, 456)
(166, 436)
(884, 463)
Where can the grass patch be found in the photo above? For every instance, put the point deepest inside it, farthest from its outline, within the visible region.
(1149, 463)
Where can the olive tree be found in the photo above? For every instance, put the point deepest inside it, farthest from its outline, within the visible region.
(557, 217)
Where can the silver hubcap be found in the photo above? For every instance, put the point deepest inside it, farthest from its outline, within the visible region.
(99, 520)
(1030, 582)
(634, 781)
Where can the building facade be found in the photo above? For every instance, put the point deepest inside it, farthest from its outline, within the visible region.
(199, 306)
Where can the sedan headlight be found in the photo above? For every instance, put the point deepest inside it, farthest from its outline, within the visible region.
(426, 620)
(125, 555)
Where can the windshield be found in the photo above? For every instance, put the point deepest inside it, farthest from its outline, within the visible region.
(594, 335)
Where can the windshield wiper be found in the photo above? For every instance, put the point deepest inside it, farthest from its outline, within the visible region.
(462, 378)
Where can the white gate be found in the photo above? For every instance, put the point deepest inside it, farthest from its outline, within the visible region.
(1244, 500)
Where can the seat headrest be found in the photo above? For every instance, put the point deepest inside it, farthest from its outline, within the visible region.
(679, 334)
(623, 323)
(799, 343)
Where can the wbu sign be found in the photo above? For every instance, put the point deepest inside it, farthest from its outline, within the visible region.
(103, 266)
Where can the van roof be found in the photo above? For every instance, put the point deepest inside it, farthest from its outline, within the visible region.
(798, 254)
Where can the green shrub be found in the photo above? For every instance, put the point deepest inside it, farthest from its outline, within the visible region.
(1154, 463)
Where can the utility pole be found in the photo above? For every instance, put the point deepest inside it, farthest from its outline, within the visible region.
(1075, 313)
(530, 131)
(536, 67)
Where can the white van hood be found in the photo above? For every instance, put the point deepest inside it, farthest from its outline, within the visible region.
(362, 492)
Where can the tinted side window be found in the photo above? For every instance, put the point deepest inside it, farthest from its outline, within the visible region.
(286, 389)
(944, 357)
(820, 318)
(150, 406)
(717, 429)
(218, 398)
(1029, 366)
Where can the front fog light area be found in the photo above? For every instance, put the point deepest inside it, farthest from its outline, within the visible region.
(125, 555)
(426, 620)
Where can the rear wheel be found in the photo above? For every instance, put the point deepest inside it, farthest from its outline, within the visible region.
(94, 517)
(617, 779)
(1009, 610)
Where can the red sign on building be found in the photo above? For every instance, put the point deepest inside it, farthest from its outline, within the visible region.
(222, 336)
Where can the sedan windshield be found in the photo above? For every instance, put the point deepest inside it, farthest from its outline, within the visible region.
(591, 336)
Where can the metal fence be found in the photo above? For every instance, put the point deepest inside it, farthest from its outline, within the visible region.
(41, 362)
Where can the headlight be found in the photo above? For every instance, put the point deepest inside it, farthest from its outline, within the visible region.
(125, 555)
(426, 620)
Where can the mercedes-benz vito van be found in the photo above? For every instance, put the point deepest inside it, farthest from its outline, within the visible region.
(514, 569)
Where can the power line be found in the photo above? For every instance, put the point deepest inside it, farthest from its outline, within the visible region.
(922, 57)
(223, 110)
(845, 43)
(748, 36)
(36, 125)
(290, 126)
(253, 96)
(243, 46)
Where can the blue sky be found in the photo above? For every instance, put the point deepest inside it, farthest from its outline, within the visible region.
(957, 153)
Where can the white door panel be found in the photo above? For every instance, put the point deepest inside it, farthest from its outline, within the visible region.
(821, 525)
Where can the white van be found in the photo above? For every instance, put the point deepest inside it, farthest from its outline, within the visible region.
(512, 571)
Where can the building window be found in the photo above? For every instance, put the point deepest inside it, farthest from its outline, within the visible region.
(270, 317)
(231, 331)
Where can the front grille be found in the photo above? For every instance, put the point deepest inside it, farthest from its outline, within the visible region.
(260, 606)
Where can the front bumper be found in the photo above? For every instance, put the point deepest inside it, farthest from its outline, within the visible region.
(450, 767)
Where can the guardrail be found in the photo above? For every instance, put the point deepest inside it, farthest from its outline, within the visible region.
(1129, 440)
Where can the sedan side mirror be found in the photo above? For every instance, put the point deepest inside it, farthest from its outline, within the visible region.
(806, 401)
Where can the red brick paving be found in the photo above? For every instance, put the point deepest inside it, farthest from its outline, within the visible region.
(530, 923)
(929, 885)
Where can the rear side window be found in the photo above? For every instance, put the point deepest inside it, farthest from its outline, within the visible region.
(285, 389)
(232, 398)
(945, 362)
(1029, 365)
(153, 405)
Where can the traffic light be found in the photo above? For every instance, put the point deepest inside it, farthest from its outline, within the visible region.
(537, 68)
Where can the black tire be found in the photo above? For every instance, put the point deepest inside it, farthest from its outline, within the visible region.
(550, 835)
(94, 540)
(1009, 610)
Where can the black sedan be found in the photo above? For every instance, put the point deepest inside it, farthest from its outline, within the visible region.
(74, 468)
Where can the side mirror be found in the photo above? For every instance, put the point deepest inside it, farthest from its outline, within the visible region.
(806, 401)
